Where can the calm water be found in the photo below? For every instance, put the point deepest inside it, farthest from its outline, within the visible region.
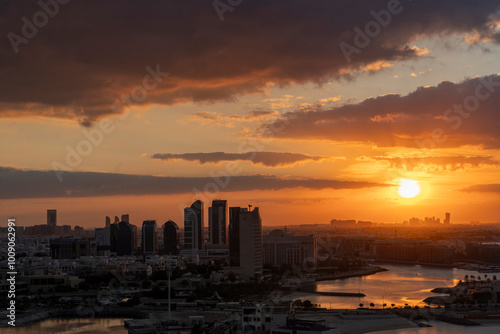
(402, 284)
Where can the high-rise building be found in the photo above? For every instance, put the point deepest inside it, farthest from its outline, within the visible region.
(194, 226)
(108, 221)
(447, 219)
(103, 240)
(245, 242)
(149, 237)
(117, 220)
(114, 235)
(127, 238)
(52, 217)
(125, 218)
(170, 238)
(217, 222)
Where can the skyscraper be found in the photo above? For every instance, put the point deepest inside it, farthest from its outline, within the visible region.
(170, 238)
(149, 237)
(114, 235)
(127, 239)
(52, 218)
(447, 220)
(217, 222)
(108, 221)
(126, 218)
(194, 226)
(245, 242)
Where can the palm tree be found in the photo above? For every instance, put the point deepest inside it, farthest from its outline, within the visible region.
(384, 305)
(392, 305)
(494, 277)
(372, 305)
(466, 277)
(361, 305)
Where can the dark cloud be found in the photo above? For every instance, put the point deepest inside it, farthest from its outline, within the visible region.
(490, 188)
(451, 163)
(268, 159)
(16, 183)
(96, 51)
(429, 117)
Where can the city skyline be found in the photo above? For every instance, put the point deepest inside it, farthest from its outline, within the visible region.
(366, 108)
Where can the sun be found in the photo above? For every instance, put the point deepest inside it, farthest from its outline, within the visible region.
(408, 188)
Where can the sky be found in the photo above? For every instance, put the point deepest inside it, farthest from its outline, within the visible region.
(309, 110)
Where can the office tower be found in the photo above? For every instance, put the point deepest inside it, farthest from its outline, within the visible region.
(217, 222)
(149, 237)
(117, 220)
(125, 218)
(114, 234)
(127, 238)
(103, 241)
(245, 242)
(194, 226)
(108, 221)
(447, 220)
(170, 238)
(52, 217)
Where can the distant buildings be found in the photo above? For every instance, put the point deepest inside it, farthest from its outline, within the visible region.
(170, 238)
(71, 248)
(245, 242)
(108, 221)
(125, 218)
(194, 226)
(149, 237)
(282, 248)
(217, 222)
(489, 253)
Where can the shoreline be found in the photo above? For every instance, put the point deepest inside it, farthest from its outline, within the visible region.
(362, 272)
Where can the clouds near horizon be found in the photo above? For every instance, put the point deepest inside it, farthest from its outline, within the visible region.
(17, 183)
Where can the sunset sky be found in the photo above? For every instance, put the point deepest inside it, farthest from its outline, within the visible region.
(310, 110)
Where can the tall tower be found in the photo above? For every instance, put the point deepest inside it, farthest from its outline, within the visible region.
(194, 226)
(149, 237)
(170, 238)
(447, 220)
(127, 239)
(126, 218)
(245, 241)
(217, 222)
(108, 221)
(52, 218)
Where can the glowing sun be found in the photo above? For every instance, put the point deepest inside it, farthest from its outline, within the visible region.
(408, 188)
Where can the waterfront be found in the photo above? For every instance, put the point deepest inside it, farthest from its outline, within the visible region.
(400, 285)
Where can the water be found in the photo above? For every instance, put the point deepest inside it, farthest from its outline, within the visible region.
(402, 284)
(67, 326)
